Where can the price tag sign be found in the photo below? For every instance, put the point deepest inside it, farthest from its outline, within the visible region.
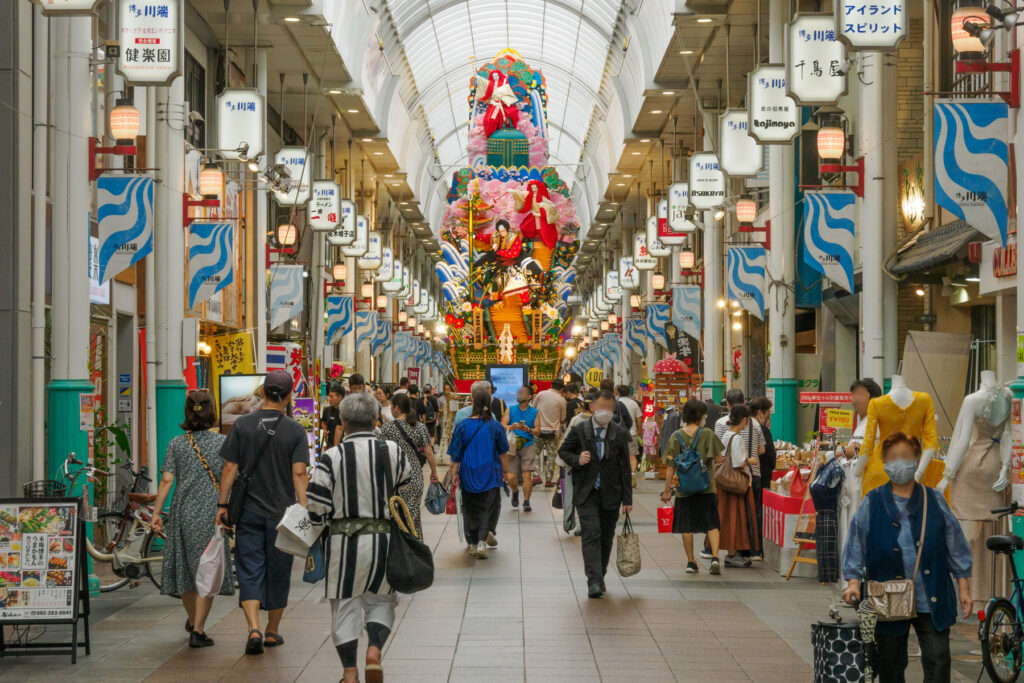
(839, 418)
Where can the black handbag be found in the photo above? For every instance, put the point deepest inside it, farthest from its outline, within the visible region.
(236, 498)
(410, 564)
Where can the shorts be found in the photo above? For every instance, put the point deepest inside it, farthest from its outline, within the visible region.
(525, 459)
(264, 572)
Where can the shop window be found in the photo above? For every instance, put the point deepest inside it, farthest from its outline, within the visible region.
(195, 95)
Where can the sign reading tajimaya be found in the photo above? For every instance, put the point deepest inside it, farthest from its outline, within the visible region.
(150, 38)
(814, 58)
(387, 266)
(871, 24)
(707, 182)
(294, 159)
(325, 205)
(739, 154)
(773, 116)
(241, 116)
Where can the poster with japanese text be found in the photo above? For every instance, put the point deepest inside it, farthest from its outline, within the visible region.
(230, 354)
(38, 560)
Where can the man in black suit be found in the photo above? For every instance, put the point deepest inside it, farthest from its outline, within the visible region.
(597, 451)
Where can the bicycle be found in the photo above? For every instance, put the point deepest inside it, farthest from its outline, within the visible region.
(1001, 631)
(133, 548)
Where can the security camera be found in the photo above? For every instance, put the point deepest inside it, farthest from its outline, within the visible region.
(196, 117)
(845, 67)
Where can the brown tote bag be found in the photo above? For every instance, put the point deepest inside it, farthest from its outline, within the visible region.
(729, 478)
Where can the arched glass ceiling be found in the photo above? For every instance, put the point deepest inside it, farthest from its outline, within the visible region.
(446, 40)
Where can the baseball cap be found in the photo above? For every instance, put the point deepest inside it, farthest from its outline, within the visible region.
(279, 383)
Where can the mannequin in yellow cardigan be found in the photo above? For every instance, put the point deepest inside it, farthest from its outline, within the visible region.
(901, 410)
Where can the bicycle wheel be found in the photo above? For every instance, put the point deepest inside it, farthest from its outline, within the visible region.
(1000, 647)
(154, 548)
(108, 526)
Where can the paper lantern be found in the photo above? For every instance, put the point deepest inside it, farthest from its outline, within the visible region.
(402, 316)
(746, 210)
(124, 121)
(211, 180)
(412, 321)
(382, 301)
(962, 40)
(577, 330)
(339, 271)
(570, 351)
(604, 326)
(658, 282)
(366, 290)
(612, 319)
(635, 301)
(287, 235)
(595, 334)
(831, 143)
(687, 259)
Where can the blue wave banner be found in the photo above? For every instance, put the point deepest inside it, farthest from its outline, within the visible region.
(366, 329)
(829, 232)
(686, 309)
(747, 273)
(211, 259)
(454, 270)
(657, 318)
(611, 350)
(124, 212)
(340, 318)
(635, 333)
(972, 163)
(286, 292)
(381, 338)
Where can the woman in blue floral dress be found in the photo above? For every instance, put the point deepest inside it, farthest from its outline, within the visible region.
(193, 462)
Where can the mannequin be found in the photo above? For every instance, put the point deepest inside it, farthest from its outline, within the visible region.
(978, 471)
(903, 410)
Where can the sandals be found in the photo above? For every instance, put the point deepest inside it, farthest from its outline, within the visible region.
(374, 672)
(278, 639)
(254, 646)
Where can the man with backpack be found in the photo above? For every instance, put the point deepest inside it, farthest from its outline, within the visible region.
(431, 409)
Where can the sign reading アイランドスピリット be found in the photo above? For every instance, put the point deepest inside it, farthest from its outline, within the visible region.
(871, 24)
(150, 37)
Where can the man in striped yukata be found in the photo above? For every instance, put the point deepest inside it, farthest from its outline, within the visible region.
(349, 491)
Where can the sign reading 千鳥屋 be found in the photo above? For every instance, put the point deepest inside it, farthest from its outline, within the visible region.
(972, 163)
(241, 118)
(345, 233)
(871, 24)
(678, 201)
(324, 205)
(286, 292)
(747, 276)
(707, 182)
(642, 258)
(294, 159)
(814, 60)
(739, 154)
(150, 37)
(829, 235)
(629, 276)
(211, 259)
(124, 213)
(773, 116)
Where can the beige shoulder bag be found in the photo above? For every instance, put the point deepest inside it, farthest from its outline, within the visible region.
(894, 600)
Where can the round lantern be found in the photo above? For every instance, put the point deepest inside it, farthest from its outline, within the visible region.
(287, 235)
(604, 325)
(412, 322)
(382, 301)
(687, 259)
(211, 180)
(366, 290)
(339, 271)
(577, 330)
(420, 328)
(570, 351)
(658, 281)
(124, 121)
(831, 143)
(595, 334)
(962, 40)
(635, 301)
(746, 211)
(612, 319)
(402, 316)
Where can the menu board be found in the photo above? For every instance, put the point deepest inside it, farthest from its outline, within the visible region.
(38, 560)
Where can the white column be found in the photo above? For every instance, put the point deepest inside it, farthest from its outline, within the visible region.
(258, 285)
(151, 307)
(40, 168)
(890, 203)
(169, 246)
(648, 295)
(714, 288)
(873, 220)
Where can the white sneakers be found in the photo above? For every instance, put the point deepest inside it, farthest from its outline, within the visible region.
(478, 551)
(492, 540)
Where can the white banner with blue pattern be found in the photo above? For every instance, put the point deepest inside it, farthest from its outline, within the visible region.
(366, 329)
(381, 338)
(339, 317)
(972, 163)
(211, 259)
(686, 309)
(747, 277)
(635, 333)
(124, 212)
(657, 316)
(286, 292)
(829, 235)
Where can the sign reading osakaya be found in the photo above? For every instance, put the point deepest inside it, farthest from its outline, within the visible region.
(345, 233)
(294, 159)
(813, 59)
(707, 182)
(150, 40)
(871, 24)
(773, 116)
(325, 205)
(739, 154)
(678, 200)
(241, 116)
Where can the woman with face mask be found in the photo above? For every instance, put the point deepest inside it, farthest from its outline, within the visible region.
(884, 541)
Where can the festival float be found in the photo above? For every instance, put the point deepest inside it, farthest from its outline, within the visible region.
(509, 233)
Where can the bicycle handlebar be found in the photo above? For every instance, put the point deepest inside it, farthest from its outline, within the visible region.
(1010, 509)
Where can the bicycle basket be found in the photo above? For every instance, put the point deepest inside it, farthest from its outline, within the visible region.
(44, 488)
(118, 487)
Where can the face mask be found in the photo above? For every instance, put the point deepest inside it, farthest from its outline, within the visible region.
(603, 417)
(901, 471)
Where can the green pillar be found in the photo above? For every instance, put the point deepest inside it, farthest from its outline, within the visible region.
(717, 390)
(784, 418)
(170, 411)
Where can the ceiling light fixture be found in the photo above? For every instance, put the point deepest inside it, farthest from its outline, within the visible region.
(334, 91)
(367, 139)
(655, 111)
(292, 20)
(353, 111)
(668, 92)
(705, 20)
(686, 52)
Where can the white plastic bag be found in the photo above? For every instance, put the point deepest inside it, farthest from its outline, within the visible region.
(296, 532)
(213, 565)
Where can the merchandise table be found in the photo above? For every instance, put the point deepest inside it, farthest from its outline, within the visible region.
(780, 519)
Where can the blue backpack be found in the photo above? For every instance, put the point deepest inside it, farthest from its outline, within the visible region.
(691, 471)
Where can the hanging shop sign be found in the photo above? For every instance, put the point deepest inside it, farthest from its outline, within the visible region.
(340, 318)
(294, 159)
(386, 267)
(371, 260)
(657, 318)
(381, 341)
(655, 246)
(366, 329)
(879, 25)
(361, 243)
(345, 233)
(686, 309)
(814, 60)
(739, 154)
(612, 286)
(65, 8)
(286, 289)
(642, 258)
(99, 292)
(124, 213)
(241, 120)
(406, 284)
(678, 201)
(972, 162)
(829, 231)
(666, 233)
(393, 284)
(150, 38)
(747, 276)
(629, 276)
(211, 259)
(773, 116)
(635, 334)
(324, 205)
(707, 182)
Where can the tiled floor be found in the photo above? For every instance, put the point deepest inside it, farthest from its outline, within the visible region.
(521, 615)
